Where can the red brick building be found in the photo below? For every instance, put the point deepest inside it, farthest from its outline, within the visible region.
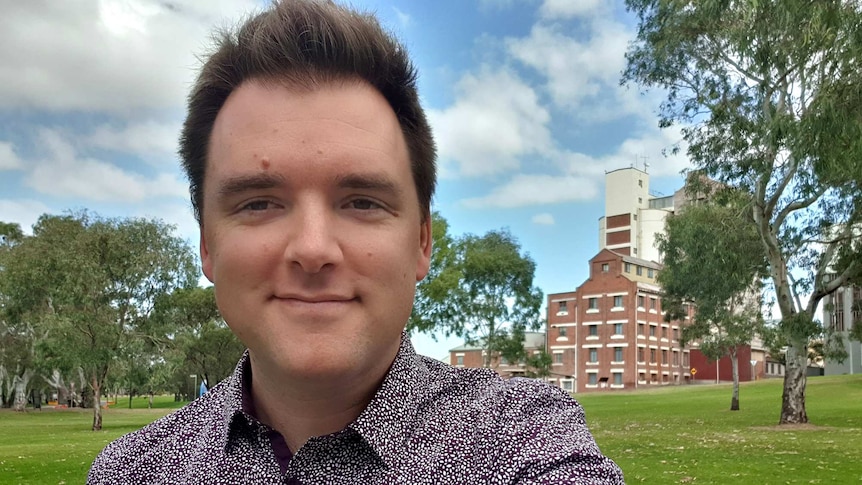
(468, 355)
(610, 332)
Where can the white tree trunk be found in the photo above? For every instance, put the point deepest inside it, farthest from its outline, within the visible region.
(20, 384)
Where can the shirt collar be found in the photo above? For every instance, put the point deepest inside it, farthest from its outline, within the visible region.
(232, 414)
(390, 417)
(386, 422)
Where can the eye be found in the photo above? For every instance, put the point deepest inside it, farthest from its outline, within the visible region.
(363, 204)
(257, 205)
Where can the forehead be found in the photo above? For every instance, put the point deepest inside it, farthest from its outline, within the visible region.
(348, 119)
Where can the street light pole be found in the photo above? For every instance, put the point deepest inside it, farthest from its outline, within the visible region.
(195, 389)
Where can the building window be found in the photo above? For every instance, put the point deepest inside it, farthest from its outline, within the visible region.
(640, 200)
(635, 251)
(652, 356)
(675, 357)
(676, 334)
(635, 216)
(641, 301)
(618, 354)
(594, 355)
(664, 332)
(567, 385)
(664, 356)
(649, 272)
(558, 358)
(460, 360)
(618, 301)
(652, 330)
(592, 379)
(562, 307)
(593, 303)
(639, 270)
(652, 303)
(618, 378)
(640, 329)
(640, 354)
(593, 330)
(685, 359)
(618, 328)
(563, 331)
(628, 267)
(605, 267)
(640, 183)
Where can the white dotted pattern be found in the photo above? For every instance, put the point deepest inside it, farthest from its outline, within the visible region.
(428, 423)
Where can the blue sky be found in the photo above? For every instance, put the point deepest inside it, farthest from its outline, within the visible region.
(523, 96)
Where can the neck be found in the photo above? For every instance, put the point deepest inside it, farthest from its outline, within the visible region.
(303, 409)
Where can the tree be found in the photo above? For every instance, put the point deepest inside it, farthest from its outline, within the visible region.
(429, 313)
(16, 338)
(479, 288)
(195, 338)
(88, 284)
(713, 258)
(769, 96)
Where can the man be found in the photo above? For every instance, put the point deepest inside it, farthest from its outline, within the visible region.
(311, 167)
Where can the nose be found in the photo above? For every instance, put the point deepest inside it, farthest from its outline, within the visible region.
(313, 245)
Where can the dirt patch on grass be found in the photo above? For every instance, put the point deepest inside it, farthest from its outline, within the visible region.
(793, 427)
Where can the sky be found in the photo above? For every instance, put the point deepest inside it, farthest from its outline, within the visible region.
(524, 98)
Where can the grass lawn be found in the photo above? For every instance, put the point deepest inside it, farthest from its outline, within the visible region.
(665, 435)
(688, 435)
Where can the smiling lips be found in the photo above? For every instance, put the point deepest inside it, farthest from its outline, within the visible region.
(315, 303)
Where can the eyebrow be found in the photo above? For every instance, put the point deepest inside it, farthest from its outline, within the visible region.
(379, 183)
(243, 183)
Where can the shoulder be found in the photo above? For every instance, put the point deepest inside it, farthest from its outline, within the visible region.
(539, 431)
(154, 449)
(546, 438)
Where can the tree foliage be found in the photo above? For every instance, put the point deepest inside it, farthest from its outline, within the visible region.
(713, 259)
(86, 285)
(769, 96)
(479, 288)
(195, 338)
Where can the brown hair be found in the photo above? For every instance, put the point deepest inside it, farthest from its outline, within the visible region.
(303, 44)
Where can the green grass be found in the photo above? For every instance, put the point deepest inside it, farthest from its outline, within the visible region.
(689, 435)
(57, 446)
(663, 436)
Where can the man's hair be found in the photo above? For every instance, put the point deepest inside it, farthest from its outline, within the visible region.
(303, 44)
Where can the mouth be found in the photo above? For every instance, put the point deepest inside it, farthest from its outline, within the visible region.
(315, 299)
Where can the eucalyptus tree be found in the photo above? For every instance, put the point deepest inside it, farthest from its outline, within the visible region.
(768, 94)
(713, 259)
(88, 284)
(479, 288)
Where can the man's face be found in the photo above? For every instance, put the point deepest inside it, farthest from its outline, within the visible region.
(311, 228)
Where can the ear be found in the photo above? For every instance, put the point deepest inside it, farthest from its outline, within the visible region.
(425, 246)
(206, 258)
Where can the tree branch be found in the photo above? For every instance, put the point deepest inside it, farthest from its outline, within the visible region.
(800, 204)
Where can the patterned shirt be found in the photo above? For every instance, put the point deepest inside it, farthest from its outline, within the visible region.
(428, 423)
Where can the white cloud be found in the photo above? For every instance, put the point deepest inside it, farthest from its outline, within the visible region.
(575, 71)
(555, 9)
(116, 56)
(403, 18)
(64, 174)
(8, 158)
(25, 212)
(495, 121)
(544, 219)
(140, 138)
(653, 147)
(525, 190)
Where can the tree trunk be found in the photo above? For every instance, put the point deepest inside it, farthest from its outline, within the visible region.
(97, 406)
(734, 399)
(20, 385)
(793, 397)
